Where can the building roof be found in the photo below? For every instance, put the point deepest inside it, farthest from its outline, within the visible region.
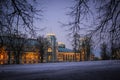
(61, 43)
(31, 42)
(50, 34)
(64, 50)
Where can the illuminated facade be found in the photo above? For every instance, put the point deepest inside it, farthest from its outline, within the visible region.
(56, 52)
(51, 54)
(67, 55)
(30, 57)
(31, 53)
(3, 56)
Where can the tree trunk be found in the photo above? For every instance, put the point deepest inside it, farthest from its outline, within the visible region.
(17, 58)
(9, 57)
(41, 55)
(41, 60)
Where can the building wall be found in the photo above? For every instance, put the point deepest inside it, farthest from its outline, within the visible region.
(34, 57)
(52, 39)
(69, 56)
(50, 56)
(3, 56)
(27, 57)
(30, 57)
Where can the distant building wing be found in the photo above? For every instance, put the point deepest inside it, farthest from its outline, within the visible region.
(64, 50)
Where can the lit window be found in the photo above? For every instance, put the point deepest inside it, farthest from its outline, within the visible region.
(49, 50)
(1, 62)
(1, 56)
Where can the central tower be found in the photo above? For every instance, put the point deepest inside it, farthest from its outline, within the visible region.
(52, 40)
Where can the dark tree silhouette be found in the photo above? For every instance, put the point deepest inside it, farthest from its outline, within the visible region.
(86, 47)
(77, 14)
(75, 44)
(104, 53)
(16, 47)
(107, 26)
(42, 46)
(17, 16)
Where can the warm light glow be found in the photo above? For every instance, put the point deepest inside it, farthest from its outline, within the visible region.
(49, 50)
(49, 58)
(3, 56)
(30, 57)
(50, 34)
(60, 43)
(1, 62)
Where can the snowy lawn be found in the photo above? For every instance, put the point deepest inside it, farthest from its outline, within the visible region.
(87, 70)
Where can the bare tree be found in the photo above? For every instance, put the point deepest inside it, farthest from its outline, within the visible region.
(16, 47)
(17, 16)
(42, 46)
(86, 47)
(107, 21)
(104, 53)
(75, 44)
(78, 12)
(109, 27)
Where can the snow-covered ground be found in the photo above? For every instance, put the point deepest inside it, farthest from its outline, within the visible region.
(87, 70)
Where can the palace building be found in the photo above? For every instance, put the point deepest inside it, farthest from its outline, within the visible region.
(29, 54)
(65, 54)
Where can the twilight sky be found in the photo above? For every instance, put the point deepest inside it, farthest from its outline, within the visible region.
(54, 11)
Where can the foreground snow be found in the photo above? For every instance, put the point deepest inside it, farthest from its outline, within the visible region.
(88, 70)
